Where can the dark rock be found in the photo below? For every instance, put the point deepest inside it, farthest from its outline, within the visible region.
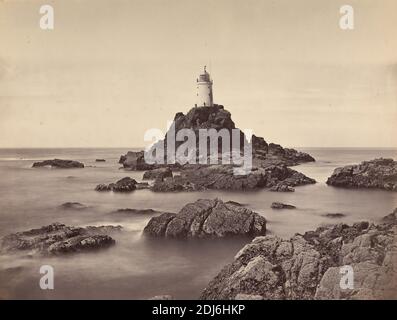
(73, 206)
(100, 160)
(308, 266)
(135, 161)
(207, 218)
(58, 238)
(122, 159)
(136, 211)
(58, 163)
(379, 173)
(335, 215)
(279, 205)
(126, 184)
(159, 173)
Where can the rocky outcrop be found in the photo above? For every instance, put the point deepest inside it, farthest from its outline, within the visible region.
(280, 205)
(222, 177)
(207, 219)
(58, 238)
(308, 266)
(218, 118)
(379, 173)
(126, 184)
(135, 161)
(160, 173)
(59, 163)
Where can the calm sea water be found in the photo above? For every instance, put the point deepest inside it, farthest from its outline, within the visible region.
(138, 268)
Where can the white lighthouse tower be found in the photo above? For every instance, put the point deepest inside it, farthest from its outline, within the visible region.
(204, 90)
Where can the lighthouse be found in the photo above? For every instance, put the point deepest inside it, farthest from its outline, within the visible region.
(204, 90)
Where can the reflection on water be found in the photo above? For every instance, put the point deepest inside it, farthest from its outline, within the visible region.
(138, 267)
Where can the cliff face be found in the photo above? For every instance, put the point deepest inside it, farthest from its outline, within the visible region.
(218, 118)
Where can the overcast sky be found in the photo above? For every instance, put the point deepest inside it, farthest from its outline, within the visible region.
(112, 69)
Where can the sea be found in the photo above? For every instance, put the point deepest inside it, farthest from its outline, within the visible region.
(138, 267)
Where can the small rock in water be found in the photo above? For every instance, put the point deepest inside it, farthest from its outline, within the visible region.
(73, 205)
(126, 184)
(100, 160)
(160, 173)
(59, 163)
(136, 211)
(334, 215)
(280, 205)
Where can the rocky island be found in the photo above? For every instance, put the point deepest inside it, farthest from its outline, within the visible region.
(270, 161)
(379, 173)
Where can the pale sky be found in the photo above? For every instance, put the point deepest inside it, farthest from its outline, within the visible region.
(112, 69)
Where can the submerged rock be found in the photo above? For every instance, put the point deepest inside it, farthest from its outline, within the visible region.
(335, 215)
(58, 238)
(207, 218)
(379, 173)
(73, 206)
(308, 266)
(280, 205)
(126, 184)
(59, 163)
(136, 211)
(159, 173)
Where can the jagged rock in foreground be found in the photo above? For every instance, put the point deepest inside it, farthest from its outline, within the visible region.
(218, 118)
(207, 218)
(379, 173)
(57, 238)
(222, 177)
(307, 266)
(59, 163)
